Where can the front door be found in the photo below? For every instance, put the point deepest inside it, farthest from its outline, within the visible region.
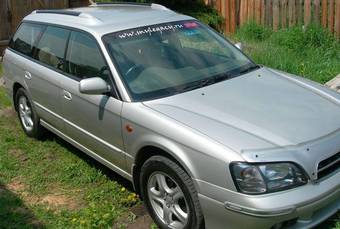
(92, 120)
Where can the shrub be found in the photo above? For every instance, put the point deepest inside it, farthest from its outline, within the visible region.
(253, 32)
(300, 37)
(311, 52)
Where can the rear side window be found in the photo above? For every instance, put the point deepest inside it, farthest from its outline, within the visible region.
(26, 37)
(84, 59)
(51, 47)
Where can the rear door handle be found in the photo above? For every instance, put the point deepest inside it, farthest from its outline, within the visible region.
(28, 75)
(67, 95)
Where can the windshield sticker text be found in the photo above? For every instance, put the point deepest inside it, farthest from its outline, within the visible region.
(150, 31)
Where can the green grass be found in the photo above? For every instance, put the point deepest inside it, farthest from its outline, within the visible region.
(312, 53)
(50, 184)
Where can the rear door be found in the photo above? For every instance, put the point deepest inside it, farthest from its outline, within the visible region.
(46, 76)
(92, 120)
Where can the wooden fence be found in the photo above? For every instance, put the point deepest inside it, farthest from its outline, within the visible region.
(12, 12)
(279, 13)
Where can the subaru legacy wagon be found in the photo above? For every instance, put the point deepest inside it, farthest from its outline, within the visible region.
(208, 138)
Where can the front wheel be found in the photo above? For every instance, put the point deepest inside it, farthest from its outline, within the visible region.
(170, 195)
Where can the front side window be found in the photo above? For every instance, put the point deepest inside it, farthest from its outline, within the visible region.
(166, 59)
(84, 59)
(26, 37)
(51, 47)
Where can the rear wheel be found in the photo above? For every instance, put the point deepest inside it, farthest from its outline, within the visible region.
(169, 195)
(28, 117)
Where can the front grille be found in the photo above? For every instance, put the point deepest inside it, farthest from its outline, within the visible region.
(329, 165)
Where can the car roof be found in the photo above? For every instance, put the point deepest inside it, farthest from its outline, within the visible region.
(107, 18)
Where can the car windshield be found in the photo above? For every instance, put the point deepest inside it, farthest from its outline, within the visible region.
(166, 59)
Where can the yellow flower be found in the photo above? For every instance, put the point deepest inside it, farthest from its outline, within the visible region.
(123, 189)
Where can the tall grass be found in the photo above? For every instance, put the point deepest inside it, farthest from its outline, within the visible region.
(311, 52)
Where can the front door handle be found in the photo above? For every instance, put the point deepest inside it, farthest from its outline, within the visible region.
(67, 95)
(28, 75)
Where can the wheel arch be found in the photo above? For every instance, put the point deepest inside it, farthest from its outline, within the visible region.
(147, 151)
(16, 87)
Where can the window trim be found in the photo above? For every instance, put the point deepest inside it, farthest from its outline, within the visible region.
(31, 54)
(114, 90)
(67, 52)
(35, 49)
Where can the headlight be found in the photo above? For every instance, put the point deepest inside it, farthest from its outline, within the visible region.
(262, 178)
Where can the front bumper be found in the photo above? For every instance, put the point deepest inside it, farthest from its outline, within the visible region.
(302, 207)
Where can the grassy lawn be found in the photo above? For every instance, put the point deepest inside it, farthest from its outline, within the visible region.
(50, 184)
(312, 53)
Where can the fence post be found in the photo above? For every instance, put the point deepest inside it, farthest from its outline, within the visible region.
(276, 14)
(233, 10)
(317, 12)
(337, 19)
(269, 13)
(324, 13)
(250, 10)
(283, 13)
(307, 16)
(263, 12)
(243, 11)
(331, 16)
(258, 11)
(227, 15)
(299, 12)
(291, 13)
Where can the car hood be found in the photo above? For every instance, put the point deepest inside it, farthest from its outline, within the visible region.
(261, 109)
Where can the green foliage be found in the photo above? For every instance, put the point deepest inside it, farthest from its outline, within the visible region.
(206, 14)
(298, 37)
(253, 32)
(194, 8)
(311, 52)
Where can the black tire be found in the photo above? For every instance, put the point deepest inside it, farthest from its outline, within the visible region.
(37, 130)
(163, 165)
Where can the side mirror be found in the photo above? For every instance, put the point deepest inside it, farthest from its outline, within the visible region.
(93, 86)
(239, 45)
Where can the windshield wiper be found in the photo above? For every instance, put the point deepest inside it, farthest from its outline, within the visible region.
(208, 81)
(249, 69)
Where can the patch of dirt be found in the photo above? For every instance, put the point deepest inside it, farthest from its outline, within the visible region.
(18, 154)
(8, 112)
(56, 197)
(140, 220)
(334, 83)
(143, 222)
(17, 186)
(60, 200)
(50, 157)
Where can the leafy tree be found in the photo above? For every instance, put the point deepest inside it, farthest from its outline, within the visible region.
(194, 8)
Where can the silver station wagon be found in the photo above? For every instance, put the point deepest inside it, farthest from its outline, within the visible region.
(208, 138)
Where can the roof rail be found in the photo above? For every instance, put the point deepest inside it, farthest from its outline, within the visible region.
(121, 3)
(152, 5)
(64, 12)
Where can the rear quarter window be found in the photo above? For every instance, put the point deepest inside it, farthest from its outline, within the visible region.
(26, 37)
